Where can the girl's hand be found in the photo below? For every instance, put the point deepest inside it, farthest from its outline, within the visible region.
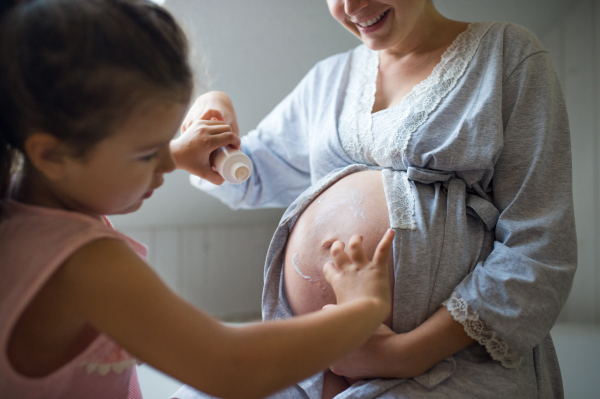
(192, 150)
(352, 276)
(216, 101)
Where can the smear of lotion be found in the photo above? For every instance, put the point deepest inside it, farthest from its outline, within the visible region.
(296, 263)
(352, 199)
(357, 207)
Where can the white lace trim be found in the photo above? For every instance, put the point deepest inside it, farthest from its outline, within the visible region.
(387, 146)
(355, 120)
(481, 332)
(413, 110)
(399, 199)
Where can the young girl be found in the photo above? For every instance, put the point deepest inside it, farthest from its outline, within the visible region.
(91, 94)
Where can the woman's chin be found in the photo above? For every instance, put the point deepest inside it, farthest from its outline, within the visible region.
(376, 43)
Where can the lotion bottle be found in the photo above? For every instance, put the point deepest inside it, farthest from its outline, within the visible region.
(232, 164)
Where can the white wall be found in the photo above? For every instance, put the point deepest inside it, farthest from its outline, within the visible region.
(574, 44)
(219, 269)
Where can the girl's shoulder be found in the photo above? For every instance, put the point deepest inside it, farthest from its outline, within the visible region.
(35, 241)
(41, 228)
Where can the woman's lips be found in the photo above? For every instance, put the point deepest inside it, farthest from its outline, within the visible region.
(375, 26)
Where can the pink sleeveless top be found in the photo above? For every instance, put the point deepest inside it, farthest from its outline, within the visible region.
(34, 243)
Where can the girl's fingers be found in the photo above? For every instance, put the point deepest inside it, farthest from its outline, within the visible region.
(356, 250)
(215, 122)
(212, 113)
(340, 257)
(213, 177)
(207, 127)
(383, 248)
(329, 271)
(223, 139)
(212, 126)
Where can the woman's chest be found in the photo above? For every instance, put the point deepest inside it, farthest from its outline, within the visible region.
(395, 80)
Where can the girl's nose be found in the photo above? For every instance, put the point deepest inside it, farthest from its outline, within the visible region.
(352, 7)
(167, 162)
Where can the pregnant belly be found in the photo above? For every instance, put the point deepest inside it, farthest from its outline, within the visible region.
(354, 205)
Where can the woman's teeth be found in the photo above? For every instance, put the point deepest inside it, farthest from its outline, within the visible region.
(371, 21)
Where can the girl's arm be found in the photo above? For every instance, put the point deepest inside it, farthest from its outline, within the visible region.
(117, 293)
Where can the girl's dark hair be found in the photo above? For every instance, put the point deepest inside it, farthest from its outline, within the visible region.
(77, 68)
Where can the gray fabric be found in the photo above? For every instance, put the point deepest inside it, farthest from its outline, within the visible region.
(490, 172)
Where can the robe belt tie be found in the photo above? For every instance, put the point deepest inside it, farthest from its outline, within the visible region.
(478, 205)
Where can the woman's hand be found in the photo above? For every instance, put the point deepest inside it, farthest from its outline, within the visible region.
(212, 101)
(366, 361)
(390, 355)
(192, 150)
(352, 276)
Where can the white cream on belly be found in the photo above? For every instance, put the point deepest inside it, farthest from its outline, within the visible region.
(351, 200)
(354, 205)
(296, 263)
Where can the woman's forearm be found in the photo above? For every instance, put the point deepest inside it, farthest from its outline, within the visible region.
(437, 338)
(390, 355)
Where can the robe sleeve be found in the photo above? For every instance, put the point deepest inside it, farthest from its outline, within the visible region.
(517, 293)
(279, 150)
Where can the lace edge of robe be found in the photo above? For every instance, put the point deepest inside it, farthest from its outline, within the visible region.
(481, 332)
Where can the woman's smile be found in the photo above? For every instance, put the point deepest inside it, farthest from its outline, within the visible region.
(372, 24)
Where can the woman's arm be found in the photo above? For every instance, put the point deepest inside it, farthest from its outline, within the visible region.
(390, 355)
(109, 286)
(278, 147)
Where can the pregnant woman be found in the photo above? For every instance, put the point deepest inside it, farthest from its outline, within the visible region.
(456, 136)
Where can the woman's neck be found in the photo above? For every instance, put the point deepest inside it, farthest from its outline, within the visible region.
(431, 32)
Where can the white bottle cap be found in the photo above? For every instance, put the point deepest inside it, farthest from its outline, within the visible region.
(233, 165)
(240, 171)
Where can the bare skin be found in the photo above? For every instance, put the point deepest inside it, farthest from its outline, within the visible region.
(354, 204)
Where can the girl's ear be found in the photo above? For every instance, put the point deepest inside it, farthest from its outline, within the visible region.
(47, 154)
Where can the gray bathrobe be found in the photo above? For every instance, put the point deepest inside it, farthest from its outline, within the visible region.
(476, 165)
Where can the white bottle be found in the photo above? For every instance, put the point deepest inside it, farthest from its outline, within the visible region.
(233, 165)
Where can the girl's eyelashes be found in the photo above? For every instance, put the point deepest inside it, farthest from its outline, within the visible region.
(149, 157)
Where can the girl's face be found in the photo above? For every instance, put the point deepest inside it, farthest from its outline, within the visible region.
(123, 170)
(380, 24)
